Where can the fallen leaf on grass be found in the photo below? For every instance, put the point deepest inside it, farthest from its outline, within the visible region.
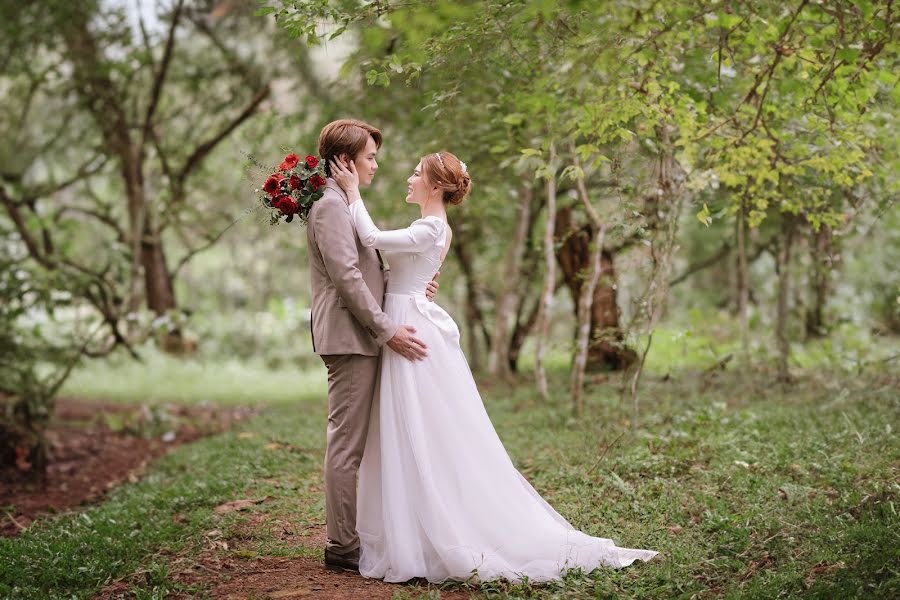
(235, 505)
(244, 435)
(822, 568)
(676, 529)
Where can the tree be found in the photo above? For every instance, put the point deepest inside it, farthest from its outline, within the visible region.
(768, 100)
(135, 100)
(106, 131)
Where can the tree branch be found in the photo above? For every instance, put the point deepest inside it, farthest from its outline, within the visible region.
(700, 265)
(161, 73)
(209, 243)
(12, 208)
(84, 171)
(103, 218)
(769, 72)
(206, 147)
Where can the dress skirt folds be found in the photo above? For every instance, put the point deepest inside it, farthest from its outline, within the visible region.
(439, 497)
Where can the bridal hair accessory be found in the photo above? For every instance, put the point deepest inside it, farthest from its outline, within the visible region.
(462, 165)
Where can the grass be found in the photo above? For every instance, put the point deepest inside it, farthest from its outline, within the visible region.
(193, 380)
(748, 490)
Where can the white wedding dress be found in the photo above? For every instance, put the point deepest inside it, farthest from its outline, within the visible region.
(439, 497)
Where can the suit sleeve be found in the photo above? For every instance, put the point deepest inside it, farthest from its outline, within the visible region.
(336, 241)
(419, 236)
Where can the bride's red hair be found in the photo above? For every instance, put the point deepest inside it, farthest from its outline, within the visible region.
(446, 171)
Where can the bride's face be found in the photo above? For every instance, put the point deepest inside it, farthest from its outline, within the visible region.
(417, 188)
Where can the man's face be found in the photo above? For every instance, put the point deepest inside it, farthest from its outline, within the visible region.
(365, 163)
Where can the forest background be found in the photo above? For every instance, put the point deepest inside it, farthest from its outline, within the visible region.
(662, 192)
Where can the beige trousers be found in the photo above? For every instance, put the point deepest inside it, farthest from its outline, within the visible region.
(351, 388)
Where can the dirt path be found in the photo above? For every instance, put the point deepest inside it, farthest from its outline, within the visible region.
(224, 570)
(94, 446)
(270, 577)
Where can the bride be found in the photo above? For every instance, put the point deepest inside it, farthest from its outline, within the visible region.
(438, 495)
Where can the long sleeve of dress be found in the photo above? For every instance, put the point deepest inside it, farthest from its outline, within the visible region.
(418, 236)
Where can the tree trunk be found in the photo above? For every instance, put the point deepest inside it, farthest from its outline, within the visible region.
(586, 297)
(526, 320)
(100, 96)
(474, 315)
(157, 278)
(820, 282)
(546, 302)
(742, 282)
(23, 445)
(665, 205)
(607, 350)
(583, 330)
(524, 326)
(498, 362)
(788, 228)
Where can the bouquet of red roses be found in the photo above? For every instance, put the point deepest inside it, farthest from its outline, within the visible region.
(291, 190)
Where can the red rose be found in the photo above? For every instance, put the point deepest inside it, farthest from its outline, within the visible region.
(295, 182)
(290, 161)
(273, 183)
(311, 161)
(316, 182)
(286, 205)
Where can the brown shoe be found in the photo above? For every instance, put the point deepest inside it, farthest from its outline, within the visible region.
(342, 562)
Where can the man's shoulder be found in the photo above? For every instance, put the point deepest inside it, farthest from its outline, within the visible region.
(331, 201)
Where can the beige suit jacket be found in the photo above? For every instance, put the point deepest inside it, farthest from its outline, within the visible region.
(347, 281)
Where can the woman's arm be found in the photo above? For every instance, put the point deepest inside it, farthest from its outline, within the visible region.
(421, 235)
(418, 236)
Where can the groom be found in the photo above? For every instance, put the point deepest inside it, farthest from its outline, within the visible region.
(348, 329)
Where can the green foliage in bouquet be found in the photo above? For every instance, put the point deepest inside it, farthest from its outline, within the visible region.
(291, 190)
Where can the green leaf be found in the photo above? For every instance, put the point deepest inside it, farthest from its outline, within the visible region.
(728, 21)
(887, 77)
(848, 54)
(374, 77)
(585, 150)
(703, 216)
(571, 172)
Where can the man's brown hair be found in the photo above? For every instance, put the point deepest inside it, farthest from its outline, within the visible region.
(345, 136)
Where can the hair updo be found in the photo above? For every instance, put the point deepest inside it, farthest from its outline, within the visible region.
(444, 170)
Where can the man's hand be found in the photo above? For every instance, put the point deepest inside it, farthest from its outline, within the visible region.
(346, 177)
(406, 345)
(432, 287)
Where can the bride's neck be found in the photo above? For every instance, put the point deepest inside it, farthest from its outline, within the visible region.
(434, 208)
